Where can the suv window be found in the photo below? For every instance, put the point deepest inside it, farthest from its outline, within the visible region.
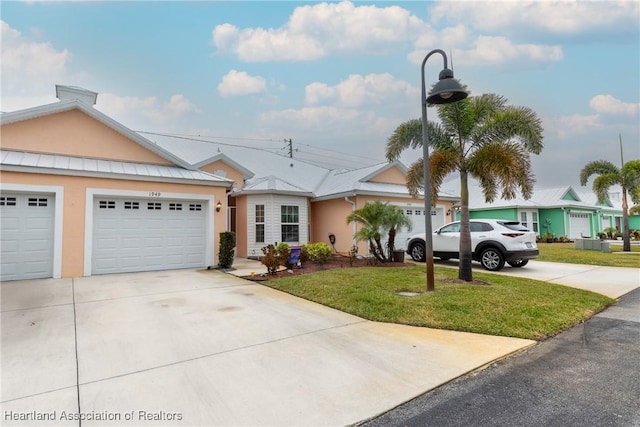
(451, 228)
(480, 226)
(513, 225)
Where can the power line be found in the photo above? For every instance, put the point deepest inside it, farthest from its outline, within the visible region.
(277, 151)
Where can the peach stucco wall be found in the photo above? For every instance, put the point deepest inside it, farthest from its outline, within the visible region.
(241, 227)
(393, 175)
(329, 216)
(74, 207)
(74, 133)
(231, 173)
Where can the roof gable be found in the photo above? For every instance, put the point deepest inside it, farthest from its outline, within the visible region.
(274, 185)
(76, 129)
(389, 173)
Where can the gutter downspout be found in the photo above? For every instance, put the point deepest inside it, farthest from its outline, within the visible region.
(355, 225)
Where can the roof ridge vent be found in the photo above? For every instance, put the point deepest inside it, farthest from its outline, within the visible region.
(74, 93)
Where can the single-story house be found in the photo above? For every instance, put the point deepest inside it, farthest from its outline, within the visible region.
(561, 211)
(82, 194)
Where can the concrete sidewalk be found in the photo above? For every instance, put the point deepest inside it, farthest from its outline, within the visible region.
(203, 347)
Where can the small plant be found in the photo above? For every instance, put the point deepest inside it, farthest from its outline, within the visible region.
(610, 232)
(602, 235)
(353, 252)
(270, 259)
(227, 243)
(283, 251)
(548, 237)
(319, 253)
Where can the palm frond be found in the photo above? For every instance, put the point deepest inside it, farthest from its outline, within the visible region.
(598, 167)
(504, 166)
(407, 135)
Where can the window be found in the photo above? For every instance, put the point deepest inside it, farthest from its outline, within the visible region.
(409, 212)
(105, 204)
(7, 201)
(195, 207)
(451, 228)
(523, 218)
(175, 206)
(534, 221)
(154, 206)
(259, 223)
(132, 205)
(479, 227)
(290, 228)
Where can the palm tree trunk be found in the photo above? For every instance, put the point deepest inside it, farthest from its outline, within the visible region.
(391, 242)
(380, 250)
(464, 269)
(626, 232)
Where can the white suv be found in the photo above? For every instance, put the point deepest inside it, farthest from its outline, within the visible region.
(493, 242)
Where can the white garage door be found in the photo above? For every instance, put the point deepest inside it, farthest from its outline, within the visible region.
(147, 234)
(579, 225)
(26, 236)
(416, 216)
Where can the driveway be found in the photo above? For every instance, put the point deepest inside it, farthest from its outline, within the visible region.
(613, 282)
(195, 347)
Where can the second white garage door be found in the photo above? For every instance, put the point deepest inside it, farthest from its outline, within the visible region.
(416, 216)
(147, 234)
(579, 225)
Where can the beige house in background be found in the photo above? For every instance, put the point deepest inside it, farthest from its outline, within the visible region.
(81, 194)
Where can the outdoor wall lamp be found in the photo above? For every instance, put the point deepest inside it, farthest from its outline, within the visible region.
(447, 90)
(218, 206)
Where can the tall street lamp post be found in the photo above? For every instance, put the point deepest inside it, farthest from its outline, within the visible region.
(447, 90)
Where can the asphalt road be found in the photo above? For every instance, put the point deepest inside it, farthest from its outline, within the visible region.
(588, 375)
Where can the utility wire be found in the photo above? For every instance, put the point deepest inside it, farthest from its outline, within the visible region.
(277, 151)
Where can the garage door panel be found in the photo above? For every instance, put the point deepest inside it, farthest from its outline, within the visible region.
(579, 225)
(27, 236)
(159, 235)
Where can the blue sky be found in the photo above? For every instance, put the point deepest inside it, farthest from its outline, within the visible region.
(336, 78)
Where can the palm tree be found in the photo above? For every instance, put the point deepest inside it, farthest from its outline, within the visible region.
(395, 220)
(376, 219)
(627, 177)
(481, 137)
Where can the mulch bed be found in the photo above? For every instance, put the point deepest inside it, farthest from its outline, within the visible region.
(336, 261)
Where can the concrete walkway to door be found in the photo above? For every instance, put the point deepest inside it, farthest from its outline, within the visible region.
(203, 348)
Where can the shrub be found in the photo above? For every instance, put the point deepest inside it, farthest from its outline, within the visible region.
(283, 252)
(270, 259)
(227, 243)
(319, 253)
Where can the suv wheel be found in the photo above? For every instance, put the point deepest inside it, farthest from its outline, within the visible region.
(417, 252)
(492, 259)
(518, 263)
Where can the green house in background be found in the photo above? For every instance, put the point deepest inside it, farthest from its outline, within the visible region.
(560, 211)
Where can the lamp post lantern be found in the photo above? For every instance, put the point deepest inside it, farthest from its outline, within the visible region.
(447, 90)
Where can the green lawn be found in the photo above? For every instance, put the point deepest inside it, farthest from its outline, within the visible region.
(503, 306)
(565, 252)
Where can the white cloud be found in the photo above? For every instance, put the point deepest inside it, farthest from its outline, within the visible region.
(29, 67)
(607, 104)
(494, 51)
(314, 31)
(147, 113)
(359, 90)
(238, 83)
(312, 118)
(574, 125)
(558, 17)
